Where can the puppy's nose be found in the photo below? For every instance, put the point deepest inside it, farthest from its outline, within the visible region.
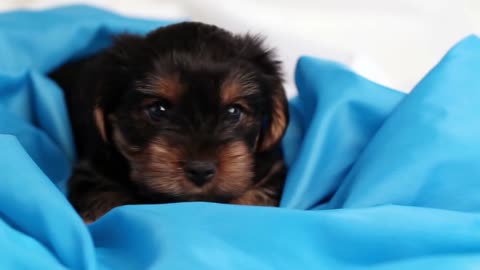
(200, 172)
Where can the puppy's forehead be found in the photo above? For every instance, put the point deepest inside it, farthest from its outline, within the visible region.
(223, 88)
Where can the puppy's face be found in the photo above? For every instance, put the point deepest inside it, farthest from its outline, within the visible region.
(189, 106)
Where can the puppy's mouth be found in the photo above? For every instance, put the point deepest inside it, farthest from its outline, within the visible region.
(158, 190)
(165, 172)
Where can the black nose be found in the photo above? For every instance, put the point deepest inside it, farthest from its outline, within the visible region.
(199, 172)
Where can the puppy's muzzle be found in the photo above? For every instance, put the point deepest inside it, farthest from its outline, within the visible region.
(200, 172)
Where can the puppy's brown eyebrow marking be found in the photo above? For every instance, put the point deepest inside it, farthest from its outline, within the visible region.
(167, 86)
(236, 86)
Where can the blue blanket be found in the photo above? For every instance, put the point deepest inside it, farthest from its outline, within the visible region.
(378, 179)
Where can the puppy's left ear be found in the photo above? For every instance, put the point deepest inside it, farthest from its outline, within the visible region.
(276, 109)
(276, 120)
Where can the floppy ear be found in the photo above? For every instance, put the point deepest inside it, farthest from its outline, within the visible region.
(276, 114)
(110, 74)
(276, 120)
(99, 117)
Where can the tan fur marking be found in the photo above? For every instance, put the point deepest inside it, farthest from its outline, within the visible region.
(159, 168)
(123, 146)
(100, 122)
(235, 169)
(258, 197)
(277, 126)
(168, 87)
(236, 86)
(259, 194)
(230, 92)
(102, 203)
(163, 163)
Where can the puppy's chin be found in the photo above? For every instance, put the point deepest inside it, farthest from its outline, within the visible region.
(158, 172)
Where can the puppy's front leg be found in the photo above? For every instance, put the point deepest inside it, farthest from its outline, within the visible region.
(92, 195)
(268, 191)
(260, 196)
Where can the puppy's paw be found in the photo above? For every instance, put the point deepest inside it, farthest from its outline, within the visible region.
(88, 221)
(260, 197)
(89, 216)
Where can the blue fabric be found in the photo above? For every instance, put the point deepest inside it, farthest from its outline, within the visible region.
(378, 180)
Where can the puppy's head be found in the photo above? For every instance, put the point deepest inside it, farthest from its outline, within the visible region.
(189, 106)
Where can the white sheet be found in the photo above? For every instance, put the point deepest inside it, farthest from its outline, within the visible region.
(391, 42)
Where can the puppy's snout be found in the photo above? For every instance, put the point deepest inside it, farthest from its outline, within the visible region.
(200, 172)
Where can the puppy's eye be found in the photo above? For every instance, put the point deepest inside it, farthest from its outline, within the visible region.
(234, 113)
(156, 111)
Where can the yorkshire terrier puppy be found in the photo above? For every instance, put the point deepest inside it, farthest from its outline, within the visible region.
(189, 112)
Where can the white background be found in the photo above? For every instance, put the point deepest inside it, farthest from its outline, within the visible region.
(391, 42)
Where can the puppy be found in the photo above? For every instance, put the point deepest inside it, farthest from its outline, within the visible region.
(189, 112)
